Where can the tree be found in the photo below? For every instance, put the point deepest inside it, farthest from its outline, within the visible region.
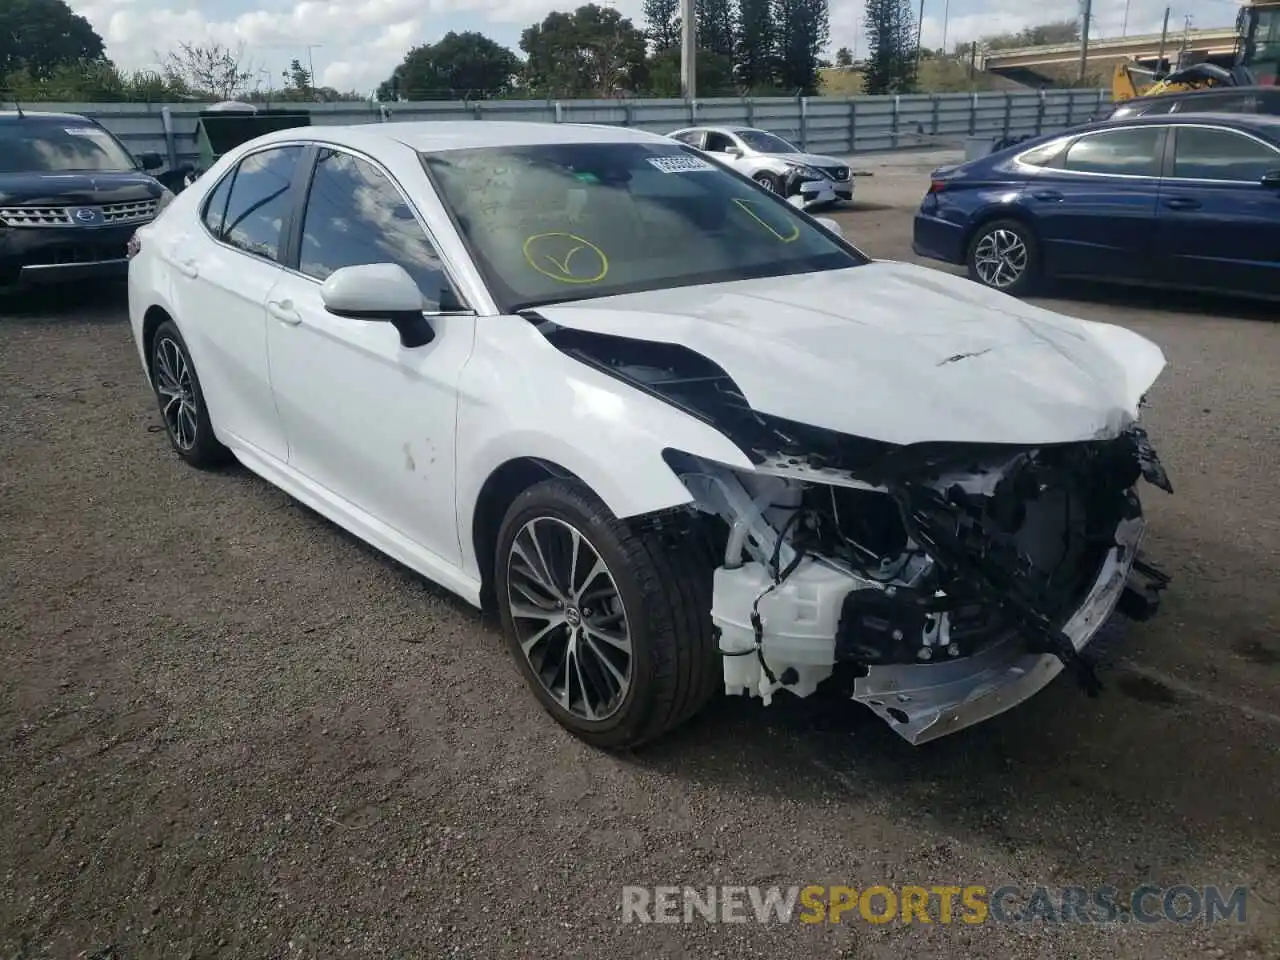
(662, 18)
(803, 29)
(211, 71)
(38, 36)
(297, 79)
(458, 65)
(717, 28)
(891, 41)
(92, 81)
(844, 58)
(1045, 34)
(592, 52)
(714, 74)
(757, 44)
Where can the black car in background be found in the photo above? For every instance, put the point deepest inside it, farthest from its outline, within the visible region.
(1247, 100)
(71, 196)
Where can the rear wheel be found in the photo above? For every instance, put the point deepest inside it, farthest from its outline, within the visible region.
(1004, 255)
(609, 624)
(181, 401)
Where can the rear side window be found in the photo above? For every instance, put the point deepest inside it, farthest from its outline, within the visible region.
(1203, 154)
(1044, 154)
(259, 201)
(1118, 152)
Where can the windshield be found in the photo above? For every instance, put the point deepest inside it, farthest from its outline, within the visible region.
(765, 142)
(555, 222)
(1264, 54)
(70, 146)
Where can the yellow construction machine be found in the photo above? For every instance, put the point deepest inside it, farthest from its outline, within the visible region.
(1254, 62)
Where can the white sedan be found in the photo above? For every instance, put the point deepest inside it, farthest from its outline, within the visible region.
(683, 437)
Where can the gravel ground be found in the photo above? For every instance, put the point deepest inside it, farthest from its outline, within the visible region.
(231, 730)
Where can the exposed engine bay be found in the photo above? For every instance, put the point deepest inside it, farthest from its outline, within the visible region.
(938, 583)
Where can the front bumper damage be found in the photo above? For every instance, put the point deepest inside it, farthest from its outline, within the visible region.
(956, 624)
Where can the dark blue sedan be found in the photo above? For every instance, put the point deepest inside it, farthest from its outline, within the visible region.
(1189, 201)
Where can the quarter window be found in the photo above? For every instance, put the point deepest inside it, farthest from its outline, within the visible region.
(1130, 152)
(1042, 155)
(356, 216)
(691, 137)
(216, 205)
(1203, 154)
(259, 201)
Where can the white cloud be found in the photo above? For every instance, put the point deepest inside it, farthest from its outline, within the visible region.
(357, 43)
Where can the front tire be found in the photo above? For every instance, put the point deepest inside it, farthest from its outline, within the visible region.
(610, 624)
(181, 400)
(1004, 256)
(768, 181)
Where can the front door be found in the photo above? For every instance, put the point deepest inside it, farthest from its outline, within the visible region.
(1219, 225)
(366, 418)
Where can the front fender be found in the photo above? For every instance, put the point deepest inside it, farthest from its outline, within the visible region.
(520, 397)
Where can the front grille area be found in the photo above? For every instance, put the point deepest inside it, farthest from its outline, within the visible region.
(837, 173)
(35, 216)
(132, 211)
(128, 212)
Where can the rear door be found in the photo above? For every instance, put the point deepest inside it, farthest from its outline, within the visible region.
(1095, 204)
(1219, 227)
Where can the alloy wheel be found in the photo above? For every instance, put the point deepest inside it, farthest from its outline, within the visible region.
(176, 389)
(1000, 258)
(570, 621)
(767, 184)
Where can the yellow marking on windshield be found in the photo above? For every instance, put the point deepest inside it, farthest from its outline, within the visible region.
(746, 205)
(558, 250)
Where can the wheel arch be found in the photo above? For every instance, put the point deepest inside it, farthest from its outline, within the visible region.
(990, 215)
(154, 316)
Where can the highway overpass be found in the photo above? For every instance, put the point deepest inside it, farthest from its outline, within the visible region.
(1047, 64)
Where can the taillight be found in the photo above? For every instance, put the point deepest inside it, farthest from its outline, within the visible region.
(134, 246)
(937, 186)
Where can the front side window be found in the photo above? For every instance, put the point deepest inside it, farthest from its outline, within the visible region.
(356, 216)
(719, 142)
(1130, 152)
(67, 146)
(259, 201)
(763, 142)
(1200, 153)
(549, 223)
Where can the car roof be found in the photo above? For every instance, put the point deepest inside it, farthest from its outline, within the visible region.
(1265, 124)
(430, 136)
(1196, 94)
(40, 115)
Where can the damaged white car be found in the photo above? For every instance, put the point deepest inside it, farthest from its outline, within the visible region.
(682, 437)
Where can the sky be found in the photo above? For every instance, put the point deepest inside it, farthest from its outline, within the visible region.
(355, 44)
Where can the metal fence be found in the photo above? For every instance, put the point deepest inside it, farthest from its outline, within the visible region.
(828, 125)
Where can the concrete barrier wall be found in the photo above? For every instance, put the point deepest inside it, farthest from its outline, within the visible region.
(828, 125)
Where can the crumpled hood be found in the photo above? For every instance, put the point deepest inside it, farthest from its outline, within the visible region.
(807, 159)
(898, 353)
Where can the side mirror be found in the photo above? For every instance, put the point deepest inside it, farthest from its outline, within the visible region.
(830, 225)
(151, 161)
(1271, 179)
(732, 151)
(379, 291)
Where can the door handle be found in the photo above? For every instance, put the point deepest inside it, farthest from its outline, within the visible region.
(1052, 195)
(283, 310)
(1182, 203)
(187, 268)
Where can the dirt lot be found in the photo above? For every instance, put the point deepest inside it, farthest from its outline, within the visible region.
(231, 730)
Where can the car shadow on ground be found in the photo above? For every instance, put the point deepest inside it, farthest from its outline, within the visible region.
(1216, 305)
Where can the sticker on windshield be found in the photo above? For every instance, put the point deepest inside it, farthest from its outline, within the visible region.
(83, 131)
(680, 164)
